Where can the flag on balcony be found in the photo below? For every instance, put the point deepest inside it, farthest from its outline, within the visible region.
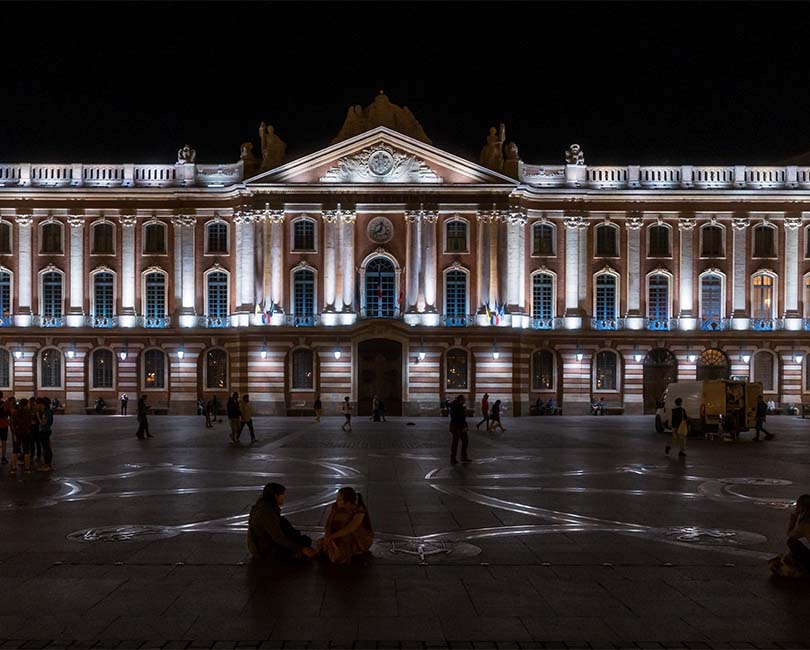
(495, 315)
(267, 316)
(489, 315)
(501, 313)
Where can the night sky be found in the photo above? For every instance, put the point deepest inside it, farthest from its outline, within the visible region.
(644, 83)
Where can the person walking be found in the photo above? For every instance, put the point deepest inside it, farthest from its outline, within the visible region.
(458, 429)
(5, 413)
(234, 414)
(45, 416)
(679, 428)
(347, 413)
(317, 406)
(495, 416)
(762, 412)
(375, 409)
(21, 437)
(36, 443)
(124, 399)
(381, 409)
(143, 421)
(208, 410)
(246, 418)
(484, 411)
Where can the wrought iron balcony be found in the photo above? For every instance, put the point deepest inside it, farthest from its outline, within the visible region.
(660, 324)
(49, 321)
(766, 324)
(303, 320)
(714, 324)
(607, 323)
(457, 321)
(214, 321)
(546, 323)
(155, 322)
(101, 321)
(6, 321)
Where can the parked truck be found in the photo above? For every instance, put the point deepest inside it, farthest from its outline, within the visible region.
(709, 403)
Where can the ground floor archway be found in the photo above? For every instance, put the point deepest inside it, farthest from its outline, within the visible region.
(713, 364)
(379, 372)
(660, 370)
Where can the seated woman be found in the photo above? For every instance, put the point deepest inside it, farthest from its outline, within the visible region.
(348, 528)
(796, 562)
(271, 536)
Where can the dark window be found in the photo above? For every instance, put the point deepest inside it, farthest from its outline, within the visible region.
(711, 241)
(456, 294)
(102, 369)
(5, 237)
(302, 370)
(103, 305)
(607, 244)
(103, 238)
(763, 370)
(154, 367)
(217, 294)
(52, 237)
(51, 368)
(304, 235)
(304, 293)
(52, 294)
(542, 370)
(5, 369)
(543, 239)
(154, 238)
(217, 237)
(456, 236)
(5, 293)
(216, 369)
(659, 241)
(542, 296)
(764, 241)
(606, 371)
(457, 369)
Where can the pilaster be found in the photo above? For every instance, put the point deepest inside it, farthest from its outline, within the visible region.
(22, 315)
(634, 320)
(740, 317)
(686, 317)
(127, 316)
(793, 319)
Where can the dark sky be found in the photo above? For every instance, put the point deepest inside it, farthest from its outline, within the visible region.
(632, 83)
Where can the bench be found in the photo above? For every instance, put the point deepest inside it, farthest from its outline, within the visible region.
(300, 410)
(107, 410)
(609, 409)
(533, 410)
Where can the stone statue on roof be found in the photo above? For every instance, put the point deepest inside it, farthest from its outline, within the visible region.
(381, 112)
(273, 148)
(492, 153)
(186, 155)
(574, 155)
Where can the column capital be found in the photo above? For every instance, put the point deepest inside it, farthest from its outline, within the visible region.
(184, 221)
(793, 223)
(575, 221)
(740, 223)
(24, 220)
(413, 216)
(330, 216)
(517, 216)
(128, 220)
(273, 216)
(75, 220)
(348, 216)
(245, 216)
(686, 223)
(634, 223)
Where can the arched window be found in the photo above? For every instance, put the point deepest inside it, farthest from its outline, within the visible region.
(712, 364)
(303, 235)
(52, 294)
(762, 297)
(543, 299)
(542, 239)
(5, 369)
(763, 370)
(102, 368)
(5, 293)
(456, 369)
(543, 370)
(659, 241)
(455, 297)
(103, 236)
(764, 241)
(606, 374)
(711, 241)
(154, 238)
(5, 238)
(807, 296)
(607, 240)
(711, 301)
(216, 369)
(303, 294)
(155, 295)
(216, 237)
(303, 374)
(658, 301)
(154, 369)
(456, 236)
(606, 303)
(51, 233)
(217, 292)
(103, 295)
(50, 368)
(380, 285)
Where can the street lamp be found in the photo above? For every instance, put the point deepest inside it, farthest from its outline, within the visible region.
(181, 353)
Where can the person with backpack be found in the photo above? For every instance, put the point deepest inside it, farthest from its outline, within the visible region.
(680, 428)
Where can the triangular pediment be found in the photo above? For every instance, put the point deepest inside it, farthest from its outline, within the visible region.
(381, 156)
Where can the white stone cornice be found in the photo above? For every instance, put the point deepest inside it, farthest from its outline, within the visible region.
(740, 223)
(793, 223)
(24, 220)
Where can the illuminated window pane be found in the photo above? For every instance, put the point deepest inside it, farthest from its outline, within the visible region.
(658, 297)
(605, 297)
(51, 368)
(763, 370)
(154, 369)
(304, 293)
(456, 293)
(456, 361)
(102, 369)
(543, 370)
(217, 294)
(762, 299)
(543, 296)
(52, 294)
(606, 371)
(216, 369)
(302, 369)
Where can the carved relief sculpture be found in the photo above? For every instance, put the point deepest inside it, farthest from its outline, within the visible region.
(381, 112)
(381, 163)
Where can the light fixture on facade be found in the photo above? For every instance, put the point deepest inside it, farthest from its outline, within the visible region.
(638, 356)
(70, 353)
(798, 356)
(123, 355)
(495, 354)
(691, 357)
(421, 355)
(18, 353)
(337, 355)
(746, 357)
(181, 353)
(580, 354)
(263, 351)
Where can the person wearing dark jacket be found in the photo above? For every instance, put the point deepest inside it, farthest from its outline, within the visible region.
(143, 422)
(762, 412)
(271, 536)
(458, 429)
(234, 413)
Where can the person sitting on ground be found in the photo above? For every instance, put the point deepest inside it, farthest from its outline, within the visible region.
(271, 536)
(100, 405)
(796, 562)
(348, 528)
(552, 406)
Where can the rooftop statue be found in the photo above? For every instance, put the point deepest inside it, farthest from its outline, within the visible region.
(381, 112)
(273, 148)
(574, 155)
(186, 155)
(511, 165)
(492, 154)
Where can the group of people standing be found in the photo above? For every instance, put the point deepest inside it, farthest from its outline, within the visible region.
(31, 425)
(347, 533)
(240, 415)
(490, 415)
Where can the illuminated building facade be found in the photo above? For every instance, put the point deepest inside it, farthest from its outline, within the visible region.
(384, 265)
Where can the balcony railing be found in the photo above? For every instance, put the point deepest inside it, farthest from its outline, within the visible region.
(766, 324)
(714, 324)
(458, 321)
(661, 324)
(155, 322)
(545, 323)
(101, 321)
(303, 320)
(607, 323)
(49, 321)
(6, 321)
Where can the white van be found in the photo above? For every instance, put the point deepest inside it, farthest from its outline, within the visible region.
(707, 402)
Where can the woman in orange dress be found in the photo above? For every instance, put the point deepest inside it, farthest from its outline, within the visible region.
(348, 528)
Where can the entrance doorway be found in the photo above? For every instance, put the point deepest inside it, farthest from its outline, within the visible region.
(660, 370)
(712, 364)
(379, 372)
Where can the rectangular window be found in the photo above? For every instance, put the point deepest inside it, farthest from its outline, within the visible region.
(217, 295)
(456, 289)
(302, 369)
(304, 293)
(542, 297)
(52, 295)
(155, 296)
(456, 370)
(5, 238)
(543, 240)
(103, 239)
(606, 244)
(764, 244)
(5, 293)
(154, 239)
(103, 295)
(51, 238)
(711, 297)
(304, 235)
(711, 242)
(658, 302)
(456, 237)
(217, 238)
(605, 297)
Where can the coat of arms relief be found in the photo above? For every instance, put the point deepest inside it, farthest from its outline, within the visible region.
(380, 164)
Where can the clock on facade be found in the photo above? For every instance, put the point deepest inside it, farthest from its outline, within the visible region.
(380, 230)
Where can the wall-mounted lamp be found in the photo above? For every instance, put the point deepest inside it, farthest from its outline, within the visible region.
(746, 357)
(123, 355)
(181, 353)
(337, 355)
(421, 355)
(263, 351)
(798, 356)
(18, 352)
(70, 353)
(691, 357)
(580, 355)
(638, 356)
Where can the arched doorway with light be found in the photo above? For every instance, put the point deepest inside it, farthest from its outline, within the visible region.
(660, 370)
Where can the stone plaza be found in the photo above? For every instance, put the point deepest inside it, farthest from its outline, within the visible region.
(563, 532)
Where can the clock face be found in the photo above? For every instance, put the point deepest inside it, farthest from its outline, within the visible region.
(380, 230)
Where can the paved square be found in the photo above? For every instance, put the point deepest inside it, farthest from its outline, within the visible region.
(563, 532)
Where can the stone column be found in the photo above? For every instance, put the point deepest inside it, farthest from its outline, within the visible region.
(515, 261)
(427, 252)
(495, 239)
(75, 311)
(573, 230)
(413, 259)
(267, 264)
(330, 262)
(245, 305)
(482, 261)
(184, 240)
(740, 318)
(127, 317)
(687, 319)
(634, 319)
(347, 218)
(793, 319)
(22, 315)
(276, 218)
